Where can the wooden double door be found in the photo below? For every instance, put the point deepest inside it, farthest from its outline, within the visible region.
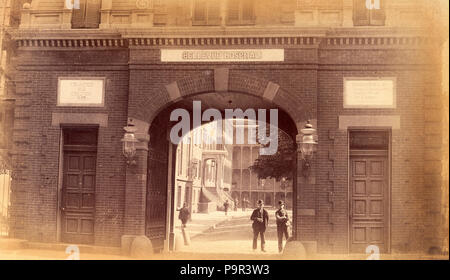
(369, 201)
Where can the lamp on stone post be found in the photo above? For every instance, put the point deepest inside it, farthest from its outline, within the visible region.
(129, 144)
(307, 147)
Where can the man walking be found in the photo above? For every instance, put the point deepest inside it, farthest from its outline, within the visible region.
(260, 219)
(226, 206)
(184, 217)
(282, 224)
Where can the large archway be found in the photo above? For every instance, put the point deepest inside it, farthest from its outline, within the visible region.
(219, 91)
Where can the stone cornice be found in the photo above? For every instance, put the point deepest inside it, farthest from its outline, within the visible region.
(226, 41)
(356, 42)
(215, 32)
(71, 43)
(201, 37)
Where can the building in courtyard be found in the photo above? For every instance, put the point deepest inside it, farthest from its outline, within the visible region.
(246, 184)
(368, 77)
(203, 172)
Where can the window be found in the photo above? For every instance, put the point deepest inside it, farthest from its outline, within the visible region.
(206, 12)
(369, 140)
(88, 15)
(160, 12)
(240, 12)
(363, 16)
(81, 136)
(209, 178)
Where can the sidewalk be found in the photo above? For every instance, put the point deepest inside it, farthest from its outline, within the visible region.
(17, 249)
(40, 254)
(201, 222)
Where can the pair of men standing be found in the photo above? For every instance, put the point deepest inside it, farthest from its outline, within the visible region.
(260, 218)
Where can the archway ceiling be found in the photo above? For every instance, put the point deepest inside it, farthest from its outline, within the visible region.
(227, 100)
(233, 100)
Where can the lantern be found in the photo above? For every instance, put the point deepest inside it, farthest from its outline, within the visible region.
(307, 146)
(129, 143)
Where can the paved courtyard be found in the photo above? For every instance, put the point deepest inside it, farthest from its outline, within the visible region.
(232, 235)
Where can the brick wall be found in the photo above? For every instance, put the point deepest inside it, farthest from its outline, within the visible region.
(36, 149)
(413, 218)
(311, 86)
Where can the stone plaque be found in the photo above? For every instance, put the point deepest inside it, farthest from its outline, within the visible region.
(222, 55)
(370, 92)
(81, 92)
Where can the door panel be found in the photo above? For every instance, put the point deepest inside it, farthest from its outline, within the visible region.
(369, 203)
(78, 197)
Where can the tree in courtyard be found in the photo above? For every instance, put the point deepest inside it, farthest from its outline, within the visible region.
(279, 165)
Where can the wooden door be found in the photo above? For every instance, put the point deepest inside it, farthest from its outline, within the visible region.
(369, 201)
(78, 197)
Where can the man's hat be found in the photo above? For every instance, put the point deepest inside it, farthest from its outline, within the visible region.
(260, 202)
(281, 202)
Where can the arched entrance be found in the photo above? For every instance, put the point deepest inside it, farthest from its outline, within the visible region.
(157, 160)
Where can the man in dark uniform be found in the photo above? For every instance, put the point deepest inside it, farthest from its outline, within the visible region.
(226, 206)
(282, 218)
(184, 217)
(260, 219)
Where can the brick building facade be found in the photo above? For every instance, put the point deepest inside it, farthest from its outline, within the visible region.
(396, 203)
(202, 171)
